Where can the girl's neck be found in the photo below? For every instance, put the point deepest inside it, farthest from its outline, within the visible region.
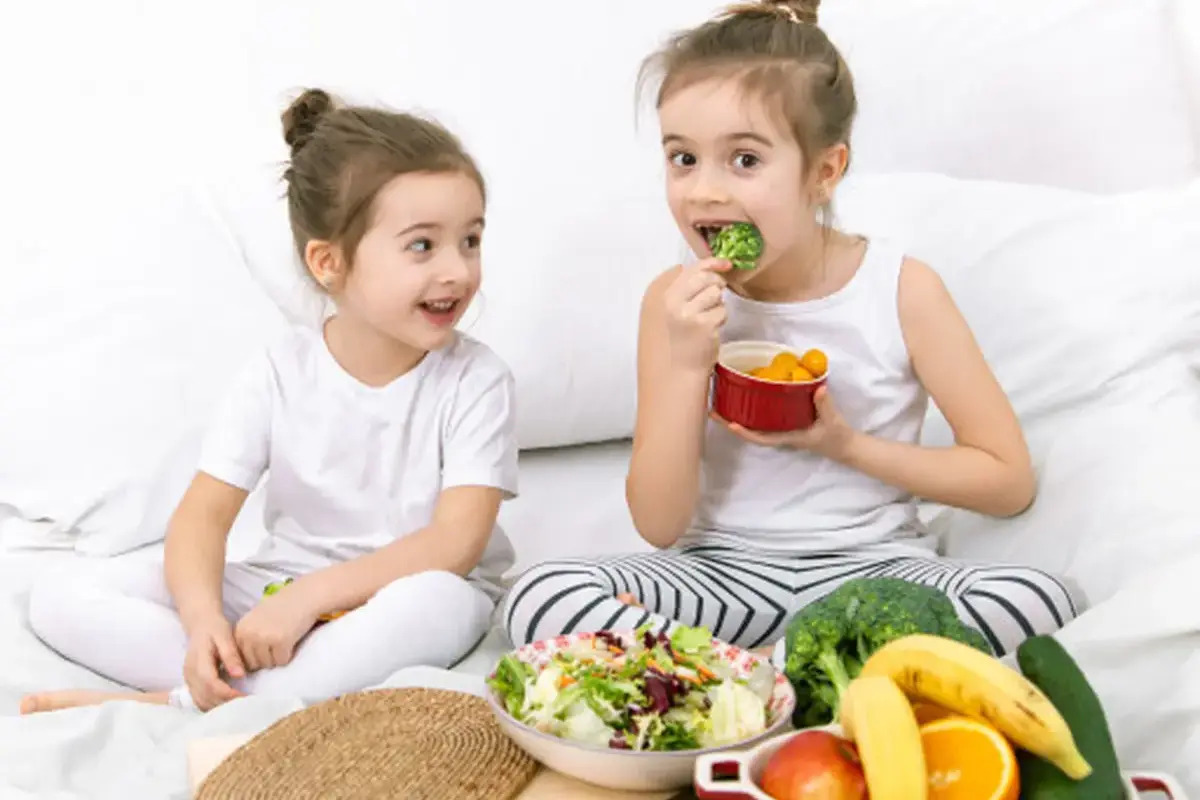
(370, 357)
(820, 266)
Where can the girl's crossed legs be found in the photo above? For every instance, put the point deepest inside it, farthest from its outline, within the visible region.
(746, 597)
(118, 619)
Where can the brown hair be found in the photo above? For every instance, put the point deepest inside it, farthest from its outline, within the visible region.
(774, 49)
(343, 155)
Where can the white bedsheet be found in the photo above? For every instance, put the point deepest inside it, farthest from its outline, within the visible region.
(129, 750)
(120, 750)
(1133, 646)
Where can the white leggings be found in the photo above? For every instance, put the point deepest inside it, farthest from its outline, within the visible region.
(118, 619)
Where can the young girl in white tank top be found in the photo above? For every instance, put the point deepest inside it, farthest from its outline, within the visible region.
(756, 108)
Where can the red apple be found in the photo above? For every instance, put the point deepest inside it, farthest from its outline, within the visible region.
(815, 765)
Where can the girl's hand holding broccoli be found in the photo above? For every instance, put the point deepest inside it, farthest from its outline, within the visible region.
(695, 312)
(829, 435)
(268, 634)
(211, 645)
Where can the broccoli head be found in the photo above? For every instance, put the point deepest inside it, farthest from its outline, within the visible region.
(828, 641)
(740, 243)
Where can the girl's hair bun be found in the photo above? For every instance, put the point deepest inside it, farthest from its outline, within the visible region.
(301, 117)
(801, 10)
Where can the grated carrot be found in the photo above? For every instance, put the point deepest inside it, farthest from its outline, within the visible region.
(565, 681)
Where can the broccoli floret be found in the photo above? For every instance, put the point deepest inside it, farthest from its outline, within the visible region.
(828, 641)
(954, 628)
(740, 243)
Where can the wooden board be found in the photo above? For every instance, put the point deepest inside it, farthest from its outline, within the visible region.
(203, 756)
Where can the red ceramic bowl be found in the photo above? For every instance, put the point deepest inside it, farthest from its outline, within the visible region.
(758, 404)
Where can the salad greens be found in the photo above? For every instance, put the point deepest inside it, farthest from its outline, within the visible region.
(652, 693)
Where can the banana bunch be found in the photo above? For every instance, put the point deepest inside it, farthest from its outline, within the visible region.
(877, 712)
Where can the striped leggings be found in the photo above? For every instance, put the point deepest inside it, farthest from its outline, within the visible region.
(745, 597)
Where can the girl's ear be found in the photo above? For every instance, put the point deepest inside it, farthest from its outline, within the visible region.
(324, 262)
(831, 167)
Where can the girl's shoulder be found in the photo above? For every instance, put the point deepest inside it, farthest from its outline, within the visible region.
(466, 355)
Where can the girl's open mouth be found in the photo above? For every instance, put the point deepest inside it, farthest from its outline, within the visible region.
(440, 312)
(708, 231)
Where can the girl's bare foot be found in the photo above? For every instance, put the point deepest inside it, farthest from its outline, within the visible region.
(74, 698)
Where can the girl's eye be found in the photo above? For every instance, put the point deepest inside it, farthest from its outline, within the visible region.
(473, 241)
(746, 160)
(682, 159)
(421, 245)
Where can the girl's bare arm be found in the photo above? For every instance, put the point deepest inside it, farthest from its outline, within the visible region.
(662, 485)
(988, 468)
(195, 547)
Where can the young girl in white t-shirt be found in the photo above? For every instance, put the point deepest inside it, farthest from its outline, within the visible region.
(386, 438)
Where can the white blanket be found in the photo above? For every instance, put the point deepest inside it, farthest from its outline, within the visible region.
(1135, 647)
(119, 750)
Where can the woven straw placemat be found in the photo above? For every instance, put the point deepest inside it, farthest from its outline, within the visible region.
(415, 744)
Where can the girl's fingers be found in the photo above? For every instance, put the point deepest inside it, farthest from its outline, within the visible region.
(711, 265)
(754, 437)
(206, 672)
(713, 317)
(230, 657)
(707, 298)
(262, 651)
(248, 652)
(695, 284)
(214, 691)
(281, 655)
(222, 692)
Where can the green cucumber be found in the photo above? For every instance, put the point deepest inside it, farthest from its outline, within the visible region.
(1049, 667)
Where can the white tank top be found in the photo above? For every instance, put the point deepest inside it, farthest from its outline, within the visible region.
(790, 500)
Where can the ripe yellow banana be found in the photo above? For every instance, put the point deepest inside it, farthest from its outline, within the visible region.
(963, 679)
(878, 717)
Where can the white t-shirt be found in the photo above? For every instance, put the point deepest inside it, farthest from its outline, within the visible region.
(351, 468)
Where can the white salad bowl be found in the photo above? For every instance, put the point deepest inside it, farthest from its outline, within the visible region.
(631, 770)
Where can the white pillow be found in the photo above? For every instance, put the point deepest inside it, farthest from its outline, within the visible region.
(1087, 94)
(1088, 310)
(1072, 297)
(1116, 496)
(117, 333)
(135, 511)
(1185, 25)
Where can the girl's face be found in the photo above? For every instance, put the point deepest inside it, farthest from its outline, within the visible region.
(417, 268)
(728, 160)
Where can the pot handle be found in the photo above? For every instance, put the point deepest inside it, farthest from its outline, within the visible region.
(725, 776)
(1157, 782)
